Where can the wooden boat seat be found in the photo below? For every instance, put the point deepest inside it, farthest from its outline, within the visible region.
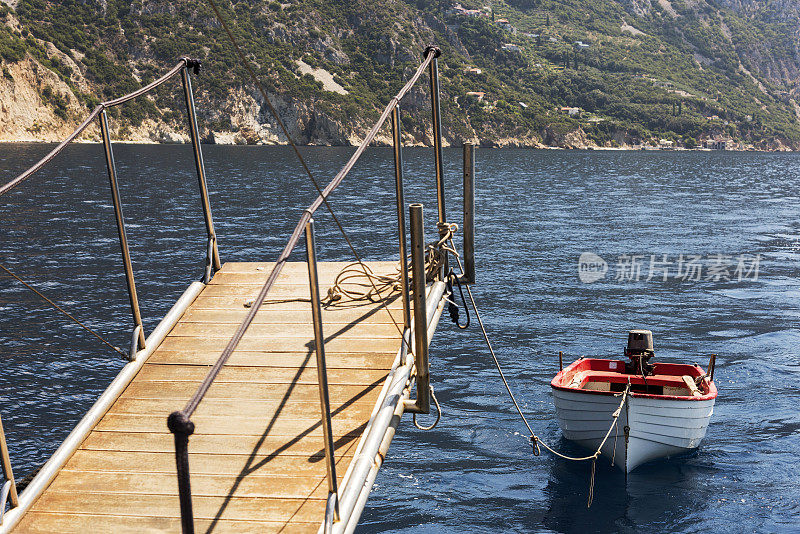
(614, 381)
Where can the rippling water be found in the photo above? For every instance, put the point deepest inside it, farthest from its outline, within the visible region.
(538, 211)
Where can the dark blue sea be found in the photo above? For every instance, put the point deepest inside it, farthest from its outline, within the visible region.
(701, 248)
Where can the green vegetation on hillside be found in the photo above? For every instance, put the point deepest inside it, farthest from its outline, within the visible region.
(691, 71)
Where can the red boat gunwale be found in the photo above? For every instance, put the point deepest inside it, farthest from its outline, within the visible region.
(613, 371)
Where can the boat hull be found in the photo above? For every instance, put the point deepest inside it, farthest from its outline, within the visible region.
(658, 427)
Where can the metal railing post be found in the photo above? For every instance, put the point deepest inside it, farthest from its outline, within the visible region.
(182, 427)
(213, 259)
(8, 473)
(469, 213)
(123, 240)
(322, 370)
(401, 214)
(437, 149)
(420, 346)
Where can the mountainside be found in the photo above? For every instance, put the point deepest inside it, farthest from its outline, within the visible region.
(568, 73)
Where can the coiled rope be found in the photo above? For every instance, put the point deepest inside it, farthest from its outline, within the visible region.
(357, 281)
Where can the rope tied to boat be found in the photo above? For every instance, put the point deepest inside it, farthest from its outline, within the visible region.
(535, 440)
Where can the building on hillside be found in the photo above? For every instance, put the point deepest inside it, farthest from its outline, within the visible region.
(511, 47)
(571, 111)
(718, 144)
(458, 9)
(477, 95)
(505, 25)
(473, 70)
(580, 45)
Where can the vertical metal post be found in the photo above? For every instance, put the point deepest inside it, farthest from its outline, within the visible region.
(401, 214)
(123, 240)
(437, 147)
(469, 212)
(182, 427)
(198, 160)
(322, 369)
(8, 473)
(420, 346)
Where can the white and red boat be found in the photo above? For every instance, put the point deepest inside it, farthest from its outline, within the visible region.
(666, 412)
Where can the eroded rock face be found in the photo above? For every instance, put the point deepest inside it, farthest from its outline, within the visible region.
(41, 104)
(638, 8)
(30, 98)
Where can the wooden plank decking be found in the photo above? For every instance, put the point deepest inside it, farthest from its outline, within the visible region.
(256, 457)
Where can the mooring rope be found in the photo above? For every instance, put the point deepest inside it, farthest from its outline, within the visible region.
(62, 310)
(348, 283)
(535, 439)
(438, 413)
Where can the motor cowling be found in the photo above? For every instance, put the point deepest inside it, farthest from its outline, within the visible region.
(639, 350)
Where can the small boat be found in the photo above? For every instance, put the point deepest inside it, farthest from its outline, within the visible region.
(666, 410)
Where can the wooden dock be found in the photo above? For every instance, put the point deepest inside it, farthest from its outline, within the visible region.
(256, 457)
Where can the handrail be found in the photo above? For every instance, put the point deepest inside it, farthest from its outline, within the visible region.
(212, 256)
(191, 406)
(179, 422)
(85, 124)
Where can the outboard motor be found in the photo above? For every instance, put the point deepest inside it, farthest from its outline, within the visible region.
(639, 350)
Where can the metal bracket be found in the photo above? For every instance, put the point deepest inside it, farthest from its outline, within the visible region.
(331, 512)
(135, 343)
(209, 271)
(195, 64)
(436, 51)
(4, 498)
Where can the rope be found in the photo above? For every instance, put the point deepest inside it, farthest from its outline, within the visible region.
(348, 282)
(323, 195)
(353, 273)
(194, 401)
(85, 124)
(536, 440)
(438, 413)
(59, 308)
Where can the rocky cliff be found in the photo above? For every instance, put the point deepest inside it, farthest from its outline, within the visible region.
(523, 72)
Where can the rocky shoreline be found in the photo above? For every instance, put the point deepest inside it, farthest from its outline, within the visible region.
(237, 139)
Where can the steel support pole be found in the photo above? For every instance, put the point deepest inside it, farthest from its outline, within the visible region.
(420, 346)
(322, 369)
(182, 427)
(123, 239)
(469, 213)
(198, 160)
(8, 473)
(401, 214)
(437, 149)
